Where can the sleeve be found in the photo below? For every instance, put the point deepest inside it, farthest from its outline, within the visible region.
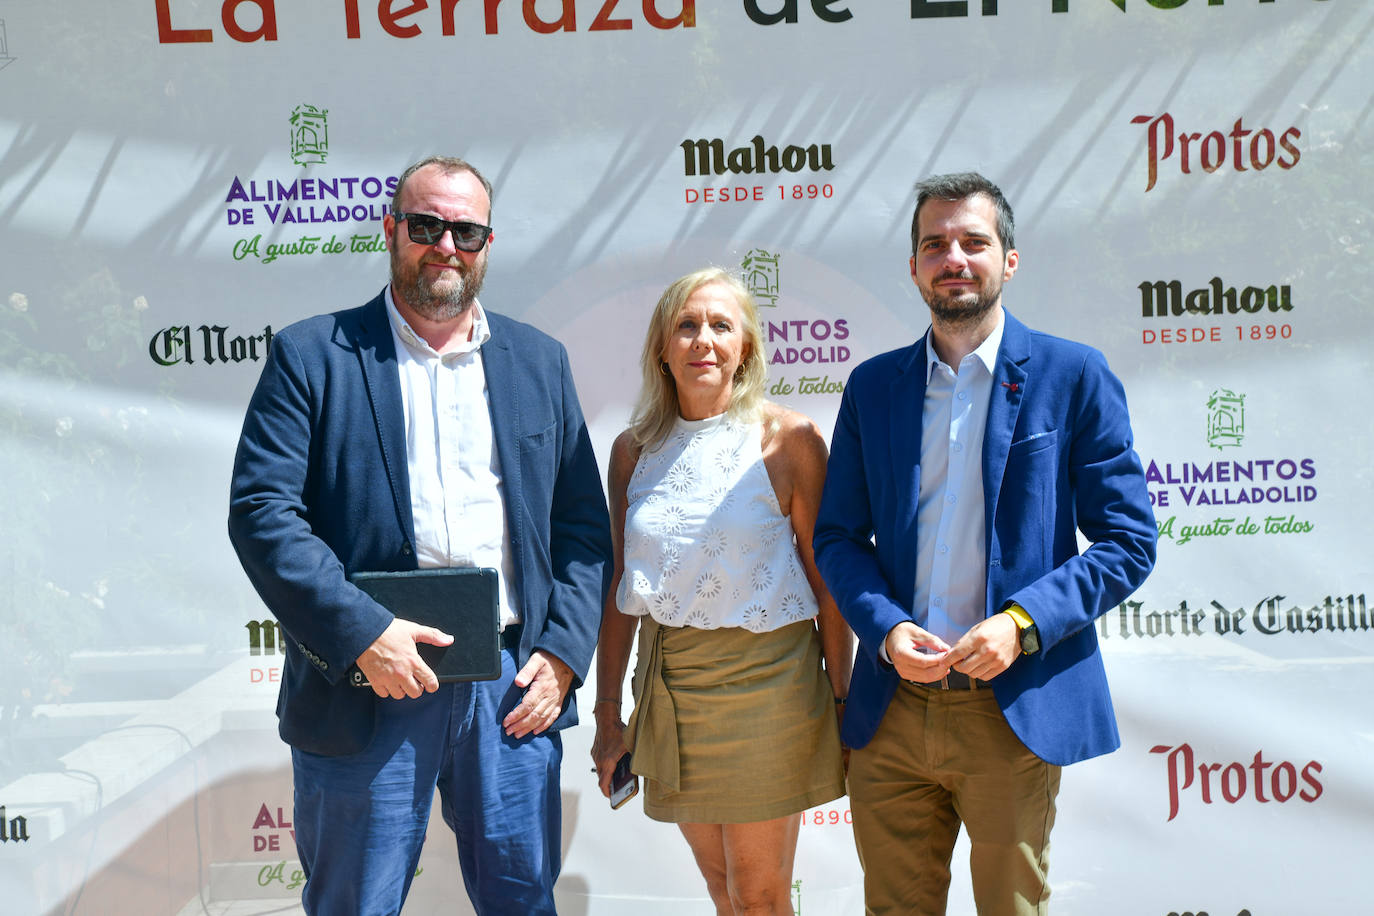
(845, 551)
(298, 576)
(1111, 507)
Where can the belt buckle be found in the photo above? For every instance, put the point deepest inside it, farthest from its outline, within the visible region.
(943, 683)
(971, 683)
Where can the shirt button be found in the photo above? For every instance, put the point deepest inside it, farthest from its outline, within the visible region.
(938, 602)
(944, 548)
(957, 447)
(963, 395)
(951, 499)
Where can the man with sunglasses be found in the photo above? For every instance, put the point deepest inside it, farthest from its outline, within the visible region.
(422, 431)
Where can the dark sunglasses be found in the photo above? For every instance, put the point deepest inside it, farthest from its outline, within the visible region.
(425, 229)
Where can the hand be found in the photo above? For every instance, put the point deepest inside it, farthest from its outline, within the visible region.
(608, 746)
(904, 642)
(545, 680)
(392, 665)
(988, 648)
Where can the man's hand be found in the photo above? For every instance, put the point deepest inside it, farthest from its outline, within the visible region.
(987, 649)
(904, 642)
(547, 679)
(392, 665)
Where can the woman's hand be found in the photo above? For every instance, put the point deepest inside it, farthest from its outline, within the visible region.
(617, 629)
(609, 745)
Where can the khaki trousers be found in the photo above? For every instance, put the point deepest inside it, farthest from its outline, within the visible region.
(939, 758)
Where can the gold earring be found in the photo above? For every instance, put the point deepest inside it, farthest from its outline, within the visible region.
(663, 367)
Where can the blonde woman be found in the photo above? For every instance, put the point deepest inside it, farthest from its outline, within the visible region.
(743, 658)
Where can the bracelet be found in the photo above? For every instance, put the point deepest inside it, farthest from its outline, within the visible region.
(599, 700)
(839, 701)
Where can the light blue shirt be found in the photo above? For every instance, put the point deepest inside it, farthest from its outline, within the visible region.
(951, 552)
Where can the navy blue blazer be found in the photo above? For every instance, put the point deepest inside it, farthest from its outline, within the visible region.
(320, 491)
(1057, 457)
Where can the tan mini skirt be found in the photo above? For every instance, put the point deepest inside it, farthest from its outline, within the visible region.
(733, 727)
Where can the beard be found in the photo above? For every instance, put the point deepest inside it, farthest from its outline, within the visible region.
(962, 309)
(444, 297)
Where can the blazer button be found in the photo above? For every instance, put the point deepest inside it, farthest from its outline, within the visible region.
(405, 550)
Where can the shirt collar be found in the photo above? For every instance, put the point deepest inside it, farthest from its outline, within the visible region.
(986, 353)
(481, 331)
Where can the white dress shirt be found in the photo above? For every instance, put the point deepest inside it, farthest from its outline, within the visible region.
(457, 499)
(951, 552)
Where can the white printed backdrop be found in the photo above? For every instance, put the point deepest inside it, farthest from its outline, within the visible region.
(1218, 149)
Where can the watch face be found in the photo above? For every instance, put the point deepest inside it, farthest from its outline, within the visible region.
(1030, 640)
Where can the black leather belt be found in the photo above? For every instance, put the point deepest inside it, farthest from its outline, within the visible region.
(953, 681)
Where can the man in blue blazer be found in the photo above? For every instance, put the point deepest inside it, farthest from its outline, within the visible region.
(421, 431)
(962, 469)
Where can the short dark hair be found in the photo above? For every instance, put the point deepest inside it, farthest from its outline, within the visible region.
(449, 165)
(958, 186)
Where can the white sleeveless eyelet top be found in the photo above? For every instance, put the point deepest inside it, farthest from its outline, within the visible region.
(706, 543)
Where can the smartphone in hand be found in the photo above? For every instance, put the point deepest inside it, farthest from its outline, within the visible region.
(624, 784)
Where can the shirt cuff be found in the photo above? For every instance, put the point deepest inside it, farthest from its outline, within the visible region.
(882, 649)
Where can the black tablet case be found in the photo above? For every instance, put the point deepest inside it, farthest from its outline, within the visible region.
(461, 601)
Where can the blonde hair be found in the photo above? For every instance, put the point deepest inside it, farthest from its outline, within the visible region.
(657, 408)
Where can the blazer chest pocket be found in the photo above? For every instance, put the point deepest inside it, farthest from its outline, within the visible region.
(1032, 444)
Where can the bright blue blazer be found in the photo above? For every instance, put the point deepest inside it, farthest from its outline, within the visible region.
(320, 491)
(1057, 457)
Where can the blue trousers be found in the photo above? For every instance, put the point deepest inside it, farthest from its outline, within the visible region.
(361, 818)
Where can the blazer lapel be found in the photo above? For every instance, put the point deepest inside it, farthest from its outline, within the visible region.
(907, 395)
(377, 356)
(1009, 381)
(503, 400)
